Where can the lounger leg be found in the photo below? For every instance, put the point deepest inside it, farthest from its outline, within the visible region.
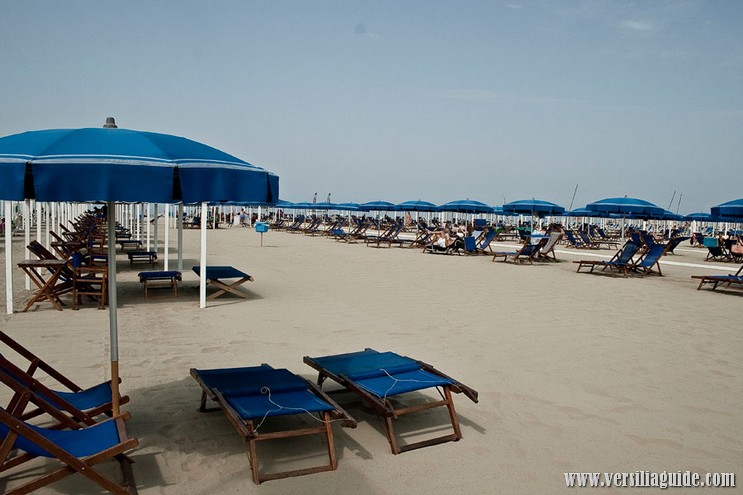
(452, 413)
(253, 460)
(331, 442)
(391, 434)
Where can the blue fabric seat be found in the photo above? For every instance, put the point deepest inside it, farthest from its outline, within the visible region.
(78, 450)
(250, 395)
(378, 376)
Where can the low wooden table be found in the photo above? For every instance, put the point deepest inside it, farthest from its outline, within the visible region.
(144, 256)
(215, 274)
(37, 270)
(133, 244)
(162, 279)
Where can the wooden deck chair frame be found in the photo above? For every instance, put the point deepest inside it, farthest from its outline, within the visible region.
(717, 280)
(246, 428)
(385, 409)
(39, 390)
(84, 466)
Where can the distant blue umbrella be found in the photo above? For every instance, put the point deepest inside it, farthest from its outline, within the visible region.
(347, 206)
(626, 206)
(378, 206)
(325, 206)
(699, 216)
(417, 206)
(466, 206)
(533, 207)
(732, 210)
(584, 212)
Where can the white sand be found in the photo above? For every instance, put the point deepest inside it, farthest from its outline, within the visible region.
(576, 372)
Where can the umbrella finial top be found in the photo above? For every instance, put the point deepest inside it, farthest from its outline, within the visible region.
(110, 123)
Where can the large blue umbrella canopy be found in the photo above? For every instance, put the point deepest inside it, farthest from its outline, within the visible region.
(466, 206)
(732, 210)
(535, 207)
(111, 164)
(626, 206)
(378, 206)
(417, 206)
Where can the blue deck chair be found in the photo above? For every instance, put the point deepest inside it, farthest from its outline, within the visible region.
(621, 261)
(78, 451)
(81, 405)
(715, 250)
(675, 242)
(250, 395)
(377, 377)
(649, 262)
(481, 244)
(718, 280)
(526, 254)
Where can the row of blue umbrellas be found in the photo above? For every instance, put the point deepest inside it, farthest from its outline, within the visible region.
(620, 207)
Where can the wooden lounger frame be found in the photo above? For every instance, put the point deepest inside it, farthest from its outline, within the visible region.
(385, 409)
(250, 436)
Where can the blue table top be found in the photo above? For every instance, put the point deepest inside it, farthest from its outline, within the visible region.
(217, 272)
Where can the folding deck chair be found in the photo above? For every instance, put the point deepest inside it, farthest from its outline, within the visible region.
(547, 251)
(78, 451)
(718, 280)
(649, 262)
(621, 261)
(377, 377)
(527, 252)
(83, 405)
(248, 396)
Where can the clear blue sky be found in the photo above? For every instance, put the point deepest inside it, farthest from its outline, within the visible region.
(403, 100)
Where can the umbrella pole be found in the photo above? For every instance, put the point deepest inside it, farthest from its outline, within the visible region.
(202, 262)
(112, 317)
(8, 258)
(180, 237)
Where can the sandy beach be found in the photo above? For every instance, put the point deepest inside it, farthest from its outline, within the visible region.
(575, 372)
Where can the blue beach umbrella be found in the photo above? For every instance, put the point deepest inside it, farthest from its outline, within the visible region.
(378, 206)
(110, 164)
(417, 206)
(534, 207)
(700, 217)
(466, 206)
(348, 206)
(121, 165)
(626, 207)
(732, 210)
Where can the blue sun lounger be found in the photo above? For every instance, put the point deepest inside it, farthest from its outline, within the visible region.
(77, 450)
(378, 376)
(250, 395)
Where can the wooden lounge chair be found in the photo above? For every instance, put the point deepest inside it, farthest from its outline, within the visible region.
(727, 281)
(81, 404)
(547, 251)
(78, 451)
(649, 262)
(248, 396)
(379, 378)
(526, 253)
(621, 261)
